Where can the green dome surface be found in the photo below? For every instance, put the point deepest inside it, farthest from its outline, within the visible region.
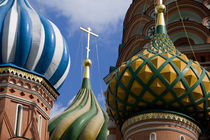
(83, 119)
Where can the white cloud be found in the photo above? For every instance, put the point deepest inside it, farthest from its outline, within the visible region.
(57, 109)
(101, 100)
(71, 100)
(102, 15)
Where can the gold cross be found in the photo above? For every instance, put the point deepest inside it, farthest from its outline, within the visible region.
(88, 30)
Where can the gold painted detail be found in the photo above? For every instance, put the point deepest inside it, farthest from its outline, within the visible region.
(169, 73)
(87, 63)
(167, 116)
(160, 9)
(125, 79)
(157, 86)
(190, 77)
(145, 73)
(31, 77)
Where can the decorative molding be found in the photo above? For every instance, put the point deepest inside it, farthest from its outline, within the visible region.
(166, 116)
(27, 90)
(159, 128)
(25, 101)
(161, 123)
(29, 76)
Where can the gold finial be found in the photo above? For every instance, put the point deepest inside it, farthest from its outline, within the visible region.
(87, 62)
(160, 10)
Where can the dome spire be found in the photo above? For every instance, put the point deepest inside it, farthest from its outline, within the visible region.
(160, 9)
(87, 62)
(84, 119)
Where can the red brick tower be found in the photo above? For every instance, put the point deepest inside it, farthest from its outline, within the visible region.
(26, 100)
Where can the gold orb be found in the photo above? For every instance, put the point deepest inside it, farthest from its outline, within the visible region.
(87, 62)
(160, 8)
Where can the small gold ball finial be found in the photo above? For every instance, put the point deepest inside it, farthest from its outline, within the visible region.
(160, 8)
(87, 62)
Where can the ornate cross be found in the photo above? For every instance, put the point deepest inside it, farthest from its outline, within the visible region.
(88, 30)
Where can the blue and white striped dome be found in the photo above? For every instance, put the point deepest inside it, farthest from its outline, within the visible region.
(32, 42)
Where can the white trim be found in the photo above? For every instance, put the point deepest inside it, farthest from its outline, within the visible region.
(5, 2)
(159, 122)
(63, 76)
(29, 91)
(25, 101)
(10, 34)
(159, 128)
(181, 136)
(40, 125)
(151, 134)
(20, 119)
(58, 53)
(34, 82)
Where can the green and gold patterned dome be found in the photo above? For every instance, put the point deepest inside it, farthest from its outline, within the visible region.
(84, 119)
(159, 79)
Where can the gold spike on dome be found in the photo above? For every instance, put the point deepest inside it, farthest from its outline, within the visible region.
(135, 65)
(160, 9)
(179, 88)
(158, 86)
(157, 61)
(145, 73)
(126, 78)
(179, 63)
(169, 73)
(136, 87)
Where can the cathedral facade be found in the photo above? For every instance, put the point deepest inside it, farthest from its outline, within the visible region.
(159, 88)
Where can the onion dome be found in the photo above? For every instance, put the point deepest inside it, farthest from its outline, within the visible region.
(161, 79)
(84, 119)
(32, 42)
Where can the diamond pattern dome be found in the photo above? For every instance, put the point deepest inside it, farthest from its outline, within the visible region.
(159, 78)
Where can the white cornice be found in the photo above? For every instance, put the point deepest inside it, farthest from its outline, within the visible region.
(5, 95)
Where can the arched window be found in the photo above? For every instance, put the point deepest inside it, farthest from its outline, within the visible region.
(18, 120)
(152, 136)
(40, 125)
(182, 138)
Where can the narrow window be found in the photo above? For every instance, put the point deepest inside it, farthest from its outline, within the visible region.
(182, 138)
(40, 125)
(18, 120)
(152, 136)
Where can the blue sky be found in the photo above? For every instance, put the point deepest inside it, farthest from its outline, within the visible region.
(105, 17)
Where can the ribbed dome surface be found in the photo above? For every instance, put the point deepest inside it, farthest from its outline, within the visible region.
(159, 78)
(84, 119)
(32, 42)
